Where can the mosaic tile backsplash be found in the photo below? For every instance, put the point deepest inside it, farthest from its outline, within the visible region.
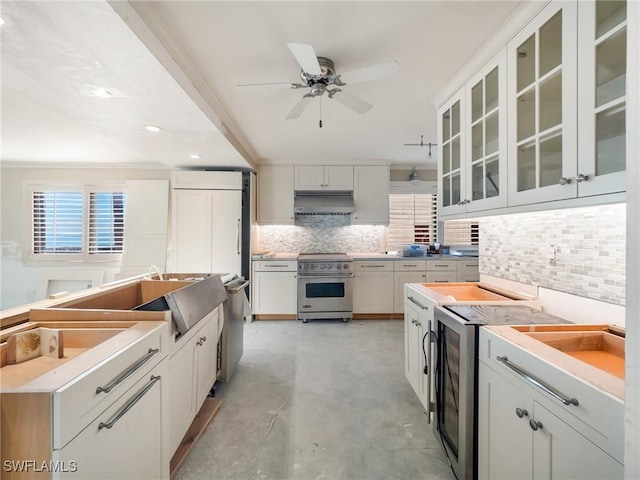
(322, 234)
(590, 245)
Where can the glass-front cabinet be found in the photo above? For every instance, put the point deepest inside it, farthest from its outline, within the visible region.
(451, 174)
(602, 44)
(485, 158)
(542, 107)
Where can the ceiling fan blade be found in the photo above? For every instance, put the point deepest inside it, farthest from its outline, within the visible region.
(372, 72)
(274, 84)
(306, 57)
(351, 101)
(299, 107)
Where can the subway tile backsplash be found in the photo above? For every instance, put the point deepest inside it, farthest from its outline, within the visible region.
(322, 234)
(590, 246)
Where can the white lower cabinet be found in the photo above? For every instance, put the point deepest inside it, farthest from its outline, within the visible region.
(125, 441)
(373, 287)
(524, 433)
(275, 287)
(192, 373)
(418, 321)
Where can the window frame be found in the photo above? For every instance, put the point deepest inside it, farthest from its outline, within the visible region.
(84, 256)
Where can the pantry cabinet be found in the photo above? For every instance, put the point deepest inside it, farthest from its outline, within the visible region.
(318, 177)
(207, 229)
(371, 195)
(275, 195)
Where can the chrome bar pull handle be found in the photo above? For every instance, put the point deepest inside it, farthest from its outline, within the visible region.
(417, 303)
(129, 405)
(538, 383)
(124, 375)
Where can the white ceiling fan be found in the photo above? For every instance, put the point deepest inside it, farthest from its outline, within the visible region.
(319, 76)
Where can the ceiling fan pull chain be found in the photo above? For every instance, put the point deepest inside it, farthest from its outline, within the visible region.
(320, 123)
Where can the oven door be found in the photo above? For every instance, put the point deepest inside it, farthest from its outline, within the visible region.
(325, 297)
(454, 423)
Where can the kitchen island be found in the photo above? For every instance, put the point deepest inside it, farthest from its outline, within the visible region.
(127, 383)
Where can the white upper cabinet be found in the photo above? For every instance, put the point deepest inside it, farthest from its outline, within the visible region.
(486, 121)
(371, 195)
(542, 76)
(275, 195)
(318, 177)
(451, 174)
(473, 133)
(602, 50)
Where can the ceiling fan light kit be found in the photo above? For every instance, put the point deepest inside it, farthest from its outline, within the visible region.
(319, 73)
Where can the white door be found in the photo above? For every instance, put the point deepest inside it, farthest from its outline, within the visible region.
(226, 231)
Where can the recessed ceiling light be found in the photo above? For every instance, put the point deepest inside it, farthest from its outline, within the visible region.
(102, 92)
(152, 128)
(195, 156)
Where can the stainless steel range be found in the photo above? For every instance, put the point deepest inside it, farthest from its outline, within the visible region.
(325, 288)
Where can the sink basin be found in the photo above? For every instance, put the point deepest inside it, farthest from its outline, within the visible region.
(595, 345)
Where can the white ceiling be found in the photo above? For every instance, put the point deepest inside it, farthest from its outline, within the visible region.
(181, 67)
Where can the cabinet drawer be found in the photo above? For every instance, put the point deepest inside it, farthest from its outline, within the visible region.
(409, 265)
(79, 402)
(276, 265)
(373, 266)
(124, 441)
(468, 268)
(442, 266)
(598, 416)
(441, 277)
(473, 277)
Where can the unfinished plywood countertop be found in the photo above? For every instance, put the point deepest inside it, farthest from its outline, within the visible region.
(468, 293)
(593, 353)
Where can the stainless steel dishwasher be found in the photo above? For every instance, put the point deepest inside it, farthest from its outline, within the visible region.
(230, 347)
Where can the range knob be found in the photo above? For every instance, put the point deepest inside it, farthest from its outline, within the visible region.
(312, 266)
(338, 266)
(345, 266)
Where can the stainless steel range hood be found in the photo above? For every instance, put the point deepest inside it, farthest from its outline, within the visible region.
(323, 203)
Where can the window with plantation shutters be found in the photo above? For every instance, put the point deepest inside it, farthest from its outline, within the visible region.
(412, 219)
(80, 222)
(106, 222)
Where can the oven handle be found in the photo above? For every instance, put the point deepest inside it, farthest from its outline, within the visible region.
(333, 275)
(538, 383)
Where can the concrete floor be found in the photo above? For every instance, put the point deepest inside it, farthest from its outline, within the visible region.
(346, 410)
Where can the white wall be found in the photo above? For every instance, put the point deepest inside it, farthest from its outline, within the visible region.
(19, 277)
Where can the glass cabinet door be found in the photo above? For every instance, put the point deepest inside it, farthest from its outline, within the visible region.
(451, 172)
(602, 86)
(486, 154)
(543, 107)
